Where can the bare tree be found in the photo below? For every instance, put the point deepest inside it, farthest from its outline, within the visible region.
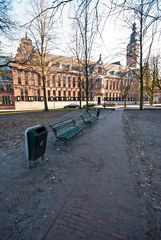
(6, 22)
(86, 21)
(42, 32)
(60, 4)
(75, 47)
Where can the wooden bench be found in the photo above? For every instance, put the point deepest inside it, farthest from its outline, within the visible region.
(66, 129)
(88, 119)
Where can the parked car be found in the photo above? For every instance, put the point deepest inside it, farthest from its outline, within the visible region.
(72, 105)
(90, 105)
(108, 104)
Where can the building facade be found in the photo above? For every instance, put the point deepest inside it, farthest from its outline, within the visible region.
(64, 81)
(7, 100)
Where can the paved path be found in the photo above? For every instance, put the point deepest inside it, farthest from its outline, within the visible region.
(101, 202)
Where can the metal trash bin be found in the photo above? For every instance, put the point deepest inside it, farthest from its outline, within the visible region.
(35, 142)
(98, 112)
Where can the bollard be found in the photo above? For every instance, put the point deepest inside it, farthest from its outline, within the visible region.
(97, 112)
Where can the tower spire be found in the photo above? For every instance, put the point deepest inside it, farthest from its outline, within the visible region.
(133, 48)
(133, 37)
(100, 58)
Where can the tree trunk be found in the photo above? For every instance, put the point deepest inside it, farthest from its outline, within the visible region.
(124, 102)
(87, 92)
(44, 91)
(80, 101)
(86, 52)
(80, 92)
(141, 57)
(151, 100)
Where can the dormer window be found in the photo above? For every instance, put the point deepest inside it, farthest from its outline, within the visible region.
(25, 45)
(100, 70)
(112, 72)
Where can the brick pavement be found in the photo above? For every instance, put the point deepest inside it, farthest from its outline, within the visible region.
(101, 202)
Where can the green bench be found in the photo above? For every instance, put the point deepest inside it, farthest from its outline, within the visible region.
(88, 119)
(66, 129)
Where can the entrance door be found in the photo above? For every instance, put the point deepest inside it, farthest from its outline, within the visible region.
(99, 100)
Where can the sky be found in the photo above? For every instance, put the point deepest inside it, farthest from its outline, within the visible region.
(112, 46)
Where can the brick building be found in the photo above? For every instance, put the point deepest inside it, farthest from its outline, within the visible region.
(62, 81)
(6, 85)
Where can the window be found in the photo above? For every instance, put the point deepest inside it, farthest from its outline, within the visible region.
(114, 85)
(48, 81)
(8, 88)
(64, 93)
(99, 70)
(1, 88)
(59, 83)
(112, 72)
(39, 79)
(48, 93)
(18, 98)
(106, 84)
(32, 78)
(64, 81)
(110, 85)
(53, 92)
(35, 92)
(26, 78)
(26, 91)
(69, 93)
(117, 85)
(53, 81)
(69, 81)
(6, 100)
(26, 94)
(73, 93)
(19, 77)
(21, 92)
(73, 81)
(30, 98)
(59, 93)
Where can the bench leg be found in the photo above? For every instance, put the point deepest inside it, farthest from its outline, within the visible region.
(56, 141)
